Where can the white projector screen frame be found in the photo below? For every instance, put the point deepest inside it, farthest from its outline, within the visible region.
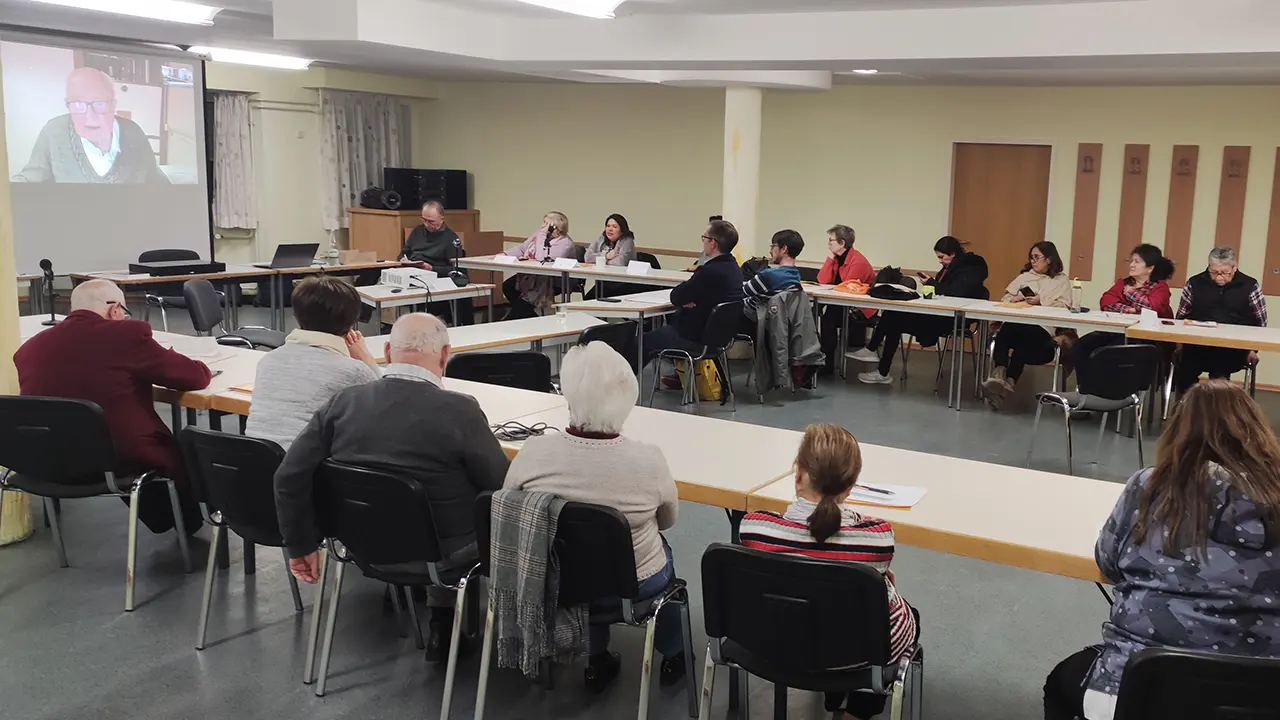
(106, 222)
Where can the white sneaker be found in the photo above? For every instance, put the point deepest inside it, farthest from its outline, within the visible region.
(865, 355)
(875, 378)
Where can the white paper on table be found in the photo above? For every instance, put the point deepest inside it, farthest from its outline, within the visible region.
(205, 352)
(904, 496)
(504, 259)
(1148, 318)
(439, 284)
(565, 264)
(638, 267)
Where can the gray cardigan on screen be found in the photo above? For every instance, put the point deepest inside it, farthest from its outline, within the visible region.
(408, 428)
(58, 156)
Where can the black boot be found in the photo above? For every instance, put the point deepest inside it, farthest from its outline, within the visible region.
(601, 670)
(673, 670)
(439, 629)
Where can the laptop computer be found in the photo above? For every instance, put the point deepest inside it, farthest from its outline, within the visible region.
(292, 256)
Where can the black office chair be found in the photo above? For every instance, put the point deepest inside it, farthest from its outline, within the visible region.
(232, 475)
(597, 561)
(619, 335)
(204, 304)
(808, 274)
(527, 370)
(722, 327)
(165, 296)
(1124, 373)
(1163, 684)
(813, 625)
(383, 524)
(58, 448)
(579, 285)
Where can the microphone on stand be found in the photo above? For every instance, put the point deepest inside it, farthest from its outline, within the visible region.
(546, 245)
(458, 277)
(47, 267)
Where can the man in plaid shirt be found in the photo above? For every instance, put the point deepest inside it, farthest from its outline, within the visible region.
(1224, 295)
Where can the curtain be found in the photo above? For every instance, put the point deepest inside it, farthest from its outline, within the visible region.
(234, 198)
(361, 134)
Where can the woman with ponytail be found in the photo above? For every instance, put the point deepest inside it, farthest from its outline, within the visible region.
(820, 525)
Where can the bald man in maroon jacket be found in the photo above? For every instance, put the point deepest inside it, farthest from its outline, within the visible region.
(98, 354)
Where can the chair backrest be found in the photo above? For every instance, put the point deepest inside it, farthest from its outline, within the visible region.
(722, 325)
(1162, 684)
(795, 613)
(618, 336)
(908, 282)
(808, 274)
(58, 440)
(168, 255)
(380, 518)
(202, 304)
(526, 370)
(593, 544)
(580, 252)
(649, 258)
(1123, 370)
(234, 475)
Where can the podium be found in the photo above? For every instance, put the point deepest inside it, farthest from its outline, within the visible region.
(383, 231)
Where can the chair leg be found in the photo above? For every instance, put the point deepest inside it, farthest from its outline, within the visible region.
(1031, 446)
(691, 687)
(779, 701)
(414, 625)
(51, 511)
(250, 558)
(657, 375)
(646, 667)
(728, 379)
(180, 526)
(1102, 432)
(164, 319)
(1067, 414)
(330, 624)
(1168, 395)
(917, 689)
(708, 684)
(395, 604)
(485, 657)
(132, 555)
(942, 357)
(1137, 432)
(455, 637)
(308, 672)
(293, 581)
(209, 571)
(896, 699)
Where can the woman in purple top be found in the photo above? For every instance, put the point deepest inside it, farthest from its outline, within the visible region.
(1192, 549)
(525, 292)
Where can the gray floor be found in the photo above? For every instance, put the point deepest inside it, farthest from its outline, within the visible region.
(991, 632)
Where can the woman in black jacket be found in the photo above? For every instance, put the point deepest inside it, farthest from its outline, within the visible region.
(962, 275)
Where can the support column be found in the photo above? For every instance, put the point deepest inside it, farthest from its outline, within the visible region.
(15, 523)
(741, 186)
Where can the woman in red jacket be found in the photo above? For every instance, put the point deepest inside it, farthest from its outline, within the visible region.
(843, 264)
(1145, 288)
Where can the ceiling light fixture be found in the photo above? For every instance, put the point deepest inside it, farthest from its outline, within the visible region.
(166, 10)
(246, 57)
(590, 8)
(866, 71)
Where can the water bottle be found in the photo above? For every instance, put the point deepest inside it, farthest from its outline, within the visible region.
(332, 256)
(1077, 294)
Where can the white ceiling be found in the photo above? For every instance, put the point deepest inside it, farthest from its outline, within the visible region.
(749, 7)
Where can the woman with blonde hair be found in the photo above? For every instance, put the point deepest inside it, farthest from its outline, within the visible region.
(1191, 548)
(821, 525)
(527, 293)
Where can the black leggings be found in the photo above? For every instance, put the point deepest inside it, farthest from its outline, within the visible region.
(1064, 688)
(1193, 360)
(1020, 345)
(1085, 347)
(519, 308)
(926, 328)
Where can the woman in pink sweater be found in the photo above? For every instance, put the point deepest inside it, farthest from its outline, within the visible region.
(820, 525)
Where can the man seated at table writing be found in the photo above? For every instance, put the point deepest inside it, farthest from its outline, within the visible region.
(98, 354)
(409, 425)
(1224, 295)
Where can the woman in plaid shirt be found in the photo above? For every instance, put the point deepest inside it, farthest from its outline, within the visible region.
(1145, 288)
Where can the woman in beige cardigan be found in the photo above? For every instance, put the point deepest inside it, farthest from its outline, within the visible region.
(1041, 282)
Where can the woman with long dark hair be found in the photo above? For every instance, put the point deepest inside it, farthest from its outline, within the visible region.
(1042, 282)
(1191, 548)
(617, 244)
(1146, 287)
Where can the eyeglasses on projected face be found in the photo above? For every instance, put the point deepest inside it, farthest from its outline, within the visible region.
(80, 107)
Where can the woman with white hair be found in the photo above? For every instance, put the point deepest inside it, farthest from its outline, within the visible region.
(525, 292)
(591, 462)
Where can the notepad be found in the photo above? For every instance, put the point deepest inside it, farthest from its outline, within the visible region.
(895, 496)
(246, 388)
(1013, 305)
(1200, 323)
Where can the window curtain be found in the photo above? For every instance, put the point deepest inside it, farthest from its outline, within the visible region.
(362, 133)
(234, 198)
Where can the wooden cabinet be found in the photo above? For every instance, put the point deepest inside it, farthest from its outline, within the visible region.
(383, 231)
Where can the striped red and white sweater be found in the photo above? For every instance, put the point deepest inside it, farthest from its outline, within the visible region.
(861, 539)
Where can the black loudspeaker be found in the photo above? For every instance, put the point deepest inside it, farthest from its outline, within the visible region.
(418, 186)
(379, 199)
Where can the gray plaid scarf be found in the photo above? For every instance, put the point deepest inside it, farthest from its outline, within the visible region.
(529, 625)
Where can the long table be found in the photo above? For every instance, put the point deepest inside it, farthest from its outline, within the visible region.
(582, 271)
(528, 332)
(638, 307)
(386, 296)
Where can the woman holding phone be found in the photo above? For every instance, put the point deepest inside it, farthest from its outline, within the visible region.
(1041, 282)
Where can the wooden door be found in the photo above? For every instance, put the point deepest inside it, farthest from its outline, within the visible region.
(999, 204)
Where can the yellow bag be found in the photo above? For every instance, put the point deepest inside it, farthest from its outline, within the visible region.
(706, 379)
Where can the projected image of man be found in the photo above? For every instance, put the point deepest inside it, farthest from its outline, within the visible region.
(90, 143)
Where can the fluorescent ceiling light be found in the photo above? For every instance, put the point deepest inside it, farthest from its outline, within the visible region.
(590, 8)
(246, 57)
(866, 71)
(167, 10)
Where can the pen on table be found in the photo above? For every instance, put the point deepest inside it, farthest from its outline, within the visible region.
(868, 488)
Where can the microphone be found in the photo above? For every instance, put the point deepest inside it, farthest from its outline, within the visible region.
(458, 277)
(47, 267)
(546, 245)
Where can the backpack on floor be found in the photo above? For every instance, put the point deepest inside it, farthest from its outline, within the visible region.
(706, 379)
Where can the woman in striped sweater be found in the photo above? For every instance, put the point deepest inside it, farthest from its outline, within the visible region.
(820, 525)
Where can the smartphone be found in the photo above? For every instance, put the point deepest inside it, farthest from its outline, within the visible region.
(215, 374)
(1027, 292)
(610, 300)
(1167, 322)
(922, 276)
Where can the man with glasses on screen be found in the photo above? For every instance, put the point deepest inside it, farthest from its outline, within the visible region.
(91, 144)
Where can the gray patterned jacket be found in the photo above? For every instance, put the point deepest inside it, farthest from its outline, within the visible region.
(1229, 602)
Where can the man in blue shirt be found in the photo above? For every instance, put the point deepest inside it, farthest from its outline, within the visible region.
(781, 274)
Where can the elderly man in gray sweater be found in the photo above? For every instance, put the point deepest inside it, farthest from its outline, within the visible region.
(409, 425)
